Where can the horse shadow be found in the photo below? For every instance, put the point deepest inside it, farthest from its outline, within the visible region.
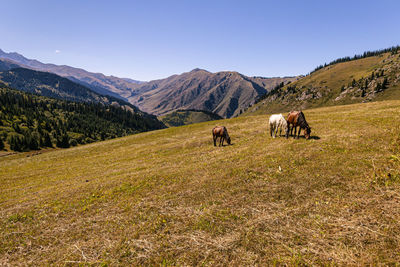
(226, 145)
(313, 137)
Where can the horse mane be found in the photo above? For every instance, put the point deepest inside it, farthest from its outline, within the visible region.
(226, 132)
(302, 120)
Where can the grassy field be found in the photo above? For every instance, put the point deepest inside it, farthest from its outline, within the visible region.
(185, 117)
(169, 197)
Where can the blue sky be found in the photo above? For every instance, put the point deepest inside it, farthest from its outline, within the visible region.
(148, 40)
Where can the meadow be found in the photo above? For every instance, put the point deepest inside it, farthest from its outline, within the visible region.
(169, 197)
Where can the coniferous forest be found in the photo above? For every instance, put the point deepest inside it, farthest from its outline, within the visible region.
(30, 122)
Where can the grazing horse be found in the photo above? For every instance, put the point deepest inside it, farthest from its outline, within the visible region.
(222, 133)
(277, 121)
(297, 118)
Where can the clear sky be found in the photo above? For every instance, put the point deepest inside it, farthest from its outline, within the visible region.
(148, 39)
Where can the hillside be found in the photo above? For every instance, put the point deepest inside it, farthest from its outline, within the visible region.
(98, 82)
(52, 85)
(31, 122)
(169, 197)
(347, 81)
(7, 65)
(224, 93)
(185, 117)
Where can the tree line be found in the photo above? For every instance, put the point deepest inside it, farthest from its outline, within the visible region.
(393, 50)
(30, 122)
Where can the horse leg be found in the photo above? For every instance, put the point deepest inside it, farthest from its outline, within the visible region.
(280, 131)
(298, 135)
(215, 140)
(287, 131)
(295, 131)
(270, 129)
(222, 140)
(276, 131)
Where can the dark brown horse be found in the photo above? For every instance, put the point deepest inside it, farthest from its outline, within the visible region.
(294, 119)
(222, 133)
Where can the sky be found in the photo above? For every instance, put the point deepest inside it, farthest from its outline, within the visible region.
(147, 40)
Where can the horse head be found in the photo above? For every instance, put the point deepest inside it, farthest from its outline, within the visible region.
(307, 132)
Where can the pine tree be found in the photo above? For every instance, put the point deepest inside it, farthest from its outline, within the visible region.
(63, 142)
(47, 140)
(1, 144)
(16, 143)
(33, 141)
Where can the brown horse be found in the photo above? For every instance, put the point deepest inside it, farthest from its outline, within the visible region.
(294, 119)
(222, 133)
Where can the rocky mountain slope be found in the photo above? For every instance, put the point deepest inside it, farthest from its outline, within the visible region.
(224, 93)
(369, 77)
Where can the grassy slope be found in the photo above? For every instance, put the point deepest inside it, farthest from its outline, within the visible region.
(170, 197)
(329, 81)
(185, 117)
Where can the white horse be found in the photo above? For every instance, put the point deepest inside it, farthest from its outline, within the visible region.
(277, 121)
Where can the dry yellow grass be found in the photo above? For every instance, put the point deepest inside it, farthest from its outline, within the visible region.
(169, 197)
(329, 81)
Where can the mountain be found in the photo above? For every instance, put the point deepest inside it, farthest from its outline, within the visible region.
(52, 85)
(6, 64)
(185, 117)
(98, 82)
(224, 93)
(371, 76)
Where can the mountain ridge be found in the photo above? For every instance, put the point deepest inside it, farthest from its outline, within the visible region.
(98, 82)
(225, 93)
(52, 85)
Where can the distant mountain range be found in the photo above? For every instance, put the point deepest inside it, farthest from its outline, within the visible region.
(52, 85)
(224, 93)
(98, 82)
(370, 76)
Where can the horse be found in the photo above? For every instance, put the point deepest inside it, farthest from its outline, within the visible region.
(222, 133)
(277, 121)
(297, 118)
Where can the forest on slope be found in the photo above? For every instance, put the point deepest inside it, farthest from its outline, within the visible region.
(30, 122)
